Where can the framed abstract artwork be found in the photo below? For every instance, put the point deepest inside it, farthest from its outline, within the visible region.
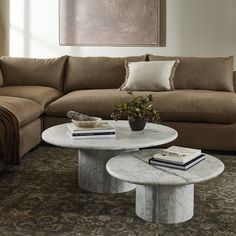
(109, 22)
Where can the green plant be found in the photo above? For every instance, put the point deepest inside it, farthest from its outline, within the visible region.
(137, 108)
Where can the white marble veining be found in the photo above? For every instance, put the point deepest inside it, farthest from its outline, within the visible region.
(92, 173)
(165, 204)
(133, 167)
(164, 195)
(93, 154)
(152, 135)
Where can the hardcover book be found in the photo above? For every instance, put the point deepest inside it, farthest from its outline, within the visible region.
(92, 136)
(185, 166)
(102, 130)
(177, 155)
(102, 127)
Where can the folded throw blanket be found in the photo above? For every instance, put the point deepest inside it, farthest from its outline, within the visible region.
(9, 137)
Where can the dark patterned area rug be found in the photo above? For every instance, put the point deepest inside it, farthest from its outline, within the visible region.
(41, 197)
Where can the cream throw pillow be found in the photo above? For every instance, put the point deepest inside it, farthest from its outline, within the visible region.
(149, 75)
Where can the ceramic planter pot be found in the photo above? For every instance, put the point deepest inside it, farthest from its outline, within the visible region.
(137, 125)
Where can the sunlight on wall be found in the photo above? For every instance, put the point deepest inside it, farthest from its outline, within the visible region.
(34, 29)
(193, 28)
(44, 28)
(17, 37)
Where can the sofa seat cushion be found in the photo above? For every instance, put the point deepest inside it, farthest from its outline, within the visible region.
(25, 110)
(180, 105)
(39, 94)
(197, 106)
(99, 102)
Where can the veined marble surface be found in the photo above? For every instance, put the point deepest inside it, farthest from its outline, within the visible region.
(92, 173)
(165, 204)
(152, 135)
(133, 167)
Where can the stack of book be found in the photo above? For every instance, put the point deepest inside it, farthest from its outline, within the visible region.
(177, 157)
(102, 130)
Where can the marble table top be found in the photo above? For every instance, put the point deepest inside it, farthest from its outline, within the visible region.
(126, 139)
(133, 167)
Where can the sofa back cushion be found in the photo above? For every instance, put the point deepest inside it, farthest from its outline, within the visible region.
(209, 73)
(33, 72)
(96, 72)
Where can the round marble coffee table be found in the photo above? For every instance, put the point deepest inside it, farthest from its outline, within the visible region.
(164, 195)
(93, 154)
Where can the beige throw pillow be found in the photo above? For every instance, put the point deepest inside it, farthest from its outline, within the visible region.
(149, 76)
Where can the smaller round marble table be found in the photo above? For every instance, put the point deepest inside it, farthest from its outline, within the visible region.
(93, 154)
(164, 195)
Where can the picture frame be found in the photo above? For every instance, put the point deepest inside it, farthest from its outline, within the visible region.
(109, 23)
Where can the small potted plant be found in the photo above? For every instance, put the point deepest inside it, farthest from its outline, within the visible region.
(138, 109)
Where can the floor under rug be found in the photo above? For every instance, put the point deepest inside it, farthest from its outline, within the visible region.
(41, 197)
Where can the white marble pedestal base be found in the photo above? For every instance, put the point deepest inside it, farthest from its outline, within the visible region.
(165, 204)
(93, 175)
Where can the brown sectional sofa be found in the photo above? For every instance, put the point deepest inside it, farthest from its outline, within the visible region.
(41, 91)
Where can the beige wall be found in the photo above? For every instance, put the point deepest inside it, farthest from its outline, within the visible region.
(194, 28)
(4, 26)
